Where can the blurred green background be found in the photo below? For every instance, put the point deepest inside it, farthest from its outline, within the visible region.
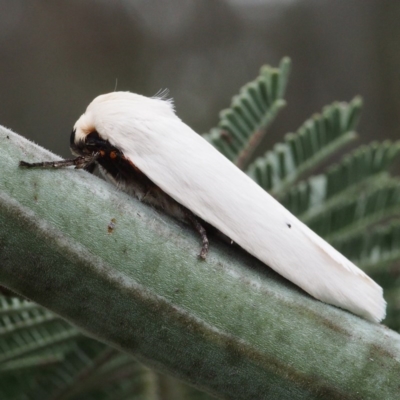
(56, 56)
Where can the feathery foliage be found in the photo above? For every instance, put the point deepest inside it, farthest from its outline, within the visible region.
(361, 170)
(374, 249)
(318, 138)
(30, 331)
(354, 216)
(242, 126)
(38, 365)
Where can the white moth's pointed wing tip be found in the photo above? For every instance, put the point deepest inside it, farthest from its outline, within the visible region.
(379, 316)
(364, 297)
(368, 300)
(377, 306)
(376, 316)
(361, 294)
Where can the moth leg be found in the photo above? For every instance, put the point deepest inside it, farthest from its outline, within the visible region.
(90, 167)
(199, 228)
(79, 162)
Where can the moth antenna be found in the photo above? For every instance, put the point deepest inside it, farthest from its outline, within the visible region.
(81, 162)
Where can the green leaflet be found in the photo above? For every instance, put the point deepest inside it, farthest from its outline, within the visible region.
(361, 170)
(375, 249)
(318, 138)
(355, 215)
(243, 125)
(30, 331)
(43, 368)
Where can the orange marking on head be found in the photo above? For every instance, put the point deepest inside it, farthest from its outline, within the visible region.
(113, 154)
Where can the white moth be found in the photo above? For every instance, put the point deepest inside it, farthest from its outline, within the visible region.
(140, 144)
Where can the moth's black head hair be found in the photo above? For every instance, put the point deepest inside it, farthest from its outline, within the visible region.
(89, 145)
(77, 148)
(72, 138)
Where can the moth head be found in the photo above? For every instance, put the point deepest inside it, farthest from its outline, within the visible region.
(117, 117)
(83, 131)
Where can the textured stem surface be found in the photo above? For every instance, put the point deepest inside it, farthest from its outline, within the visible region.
(229, 325)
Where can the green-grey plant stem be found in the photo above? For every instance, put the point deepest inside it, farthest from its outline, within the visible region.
(229, 325)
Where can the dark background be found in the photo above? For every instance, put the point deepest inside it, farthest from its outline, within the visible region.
(56, 56)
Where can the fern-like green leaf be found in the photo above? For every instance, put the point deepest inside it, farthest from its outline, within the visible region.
(377, 251)
(17, 315)
(364, 168)
(33, 341)
(121, 378)
(244, 124)
(43, 357)
(314, 141)
(48, 356)
(374, 249)
(355, 216)
(30, 334)
(93, 371)
(77, 366)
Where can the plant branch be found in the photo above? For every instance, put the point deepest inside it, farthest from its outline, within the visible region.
(229, 325)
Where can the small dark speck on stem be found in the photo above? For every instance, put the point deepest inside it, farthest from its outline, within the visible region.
(111, 225)
(289, 226)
